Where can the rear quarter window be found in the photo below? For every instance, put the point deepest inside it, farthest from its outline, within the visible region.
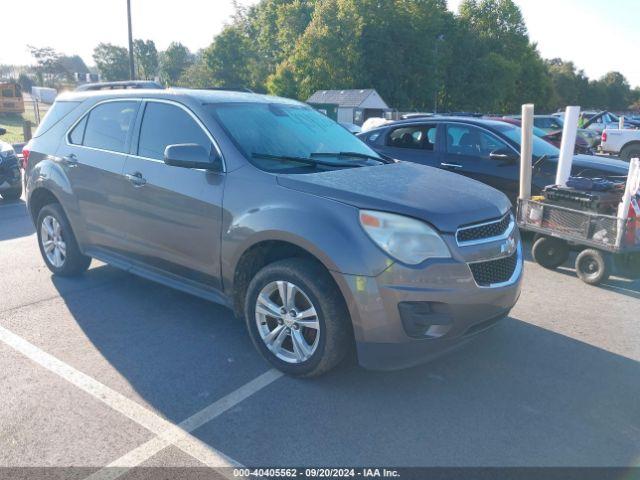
(57, 112)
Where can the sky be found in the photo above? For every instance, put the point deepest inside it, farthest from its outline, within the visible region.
(598, 36)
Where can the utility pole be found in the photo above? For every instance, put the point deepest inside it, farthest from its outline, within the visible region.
(132, 73)
(439, 38)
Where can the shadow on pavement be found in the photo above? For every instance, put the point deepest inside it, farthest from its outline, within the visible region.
(517, 395)
(180, 353)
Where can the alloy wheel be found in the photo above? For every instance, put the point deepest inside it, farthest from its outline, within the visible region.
(287, 322)
(53, 244)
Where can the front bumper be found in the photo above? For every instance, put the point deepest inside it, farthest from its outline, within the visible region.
(407, 315)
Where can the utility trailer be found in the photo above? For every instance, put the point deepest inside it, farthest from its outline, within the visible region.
(606, 243)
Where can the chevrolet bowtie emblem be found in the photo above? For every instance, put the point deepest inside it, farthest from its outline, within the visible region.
(508, 247)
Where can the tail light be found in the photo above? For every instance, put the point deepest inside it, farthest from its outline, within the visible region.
(25, 158)
(604, 136)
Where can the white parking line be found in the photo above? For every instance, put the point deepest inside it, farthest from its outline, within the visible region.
(180, 437)
(167, 432)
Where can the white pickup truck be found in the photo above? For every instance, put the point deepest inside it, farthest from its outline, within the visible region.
(624, 143)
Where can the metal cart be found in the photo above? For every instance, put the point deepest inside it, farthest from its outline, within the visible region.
(599, 238)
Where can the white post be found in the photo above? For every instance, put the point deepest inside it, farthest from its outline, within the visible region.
(621, 122)
(525, 151)
(568, 144)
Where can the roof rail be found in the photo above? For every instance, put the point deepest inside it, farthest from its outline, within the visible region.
(123, 85)
(231, 89)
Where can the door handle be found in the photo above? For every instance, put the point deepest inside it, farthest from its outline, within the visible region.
(136, 179)
(450, 165)
(70, 160)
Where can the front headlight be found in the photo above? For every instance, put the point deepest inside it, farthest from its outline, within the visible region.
(405, 239)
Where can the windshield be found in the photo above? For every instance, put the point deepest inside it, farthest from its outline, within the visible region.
(271, 135)
(540, 147)
(538, 132)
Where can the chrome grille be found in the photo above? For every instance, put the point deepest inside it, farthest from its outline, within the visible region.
(492, 272)
(484, 231)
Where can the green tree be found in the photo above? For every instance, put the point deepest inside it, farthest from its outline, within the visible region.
(569, 85)
(146, 59)
(617, 91)
(25, 82)
(229, 58)
(327, 55)
(174, 61)
(499, 39)
(198, 74)
(635, 99)
(48, 67)
(112, 61)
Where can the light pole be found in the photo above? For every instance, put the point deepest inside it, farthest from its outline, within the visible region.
(132, 73)
(439, 38)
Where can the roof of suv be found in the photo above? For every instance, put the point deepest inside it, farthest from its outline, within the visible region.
(202, 96)
(471, 120)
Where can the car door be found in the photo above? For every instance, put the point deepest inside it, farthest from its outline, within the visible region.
(468, 151)
(413, 143)
(175, 213)
(93, 156)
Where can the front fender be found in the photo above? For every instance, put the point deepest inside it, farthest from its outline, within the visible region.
(327, 229)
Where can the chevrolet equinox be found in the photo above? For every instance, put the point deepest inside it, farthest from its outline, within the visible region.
(267, 206)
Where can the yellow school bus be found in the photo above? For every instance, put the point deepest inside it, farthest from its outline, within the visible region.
(11, 98)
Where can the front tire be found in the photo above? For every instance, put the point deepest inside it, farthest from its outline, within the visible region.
(297, 318)
(58, 244)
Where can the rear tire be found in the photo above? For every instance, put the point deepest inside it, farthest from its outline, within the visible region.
(13, 194)
(629, 152)
(58, 244)
(550, 252)
(294, 348)
(592, 266)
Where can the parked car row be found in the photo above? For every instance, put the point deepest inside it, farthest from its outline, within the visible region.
(485, 150)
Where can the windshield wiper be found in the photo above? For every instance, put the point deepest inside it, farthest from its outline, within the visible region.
(350, 154)
(305, 160)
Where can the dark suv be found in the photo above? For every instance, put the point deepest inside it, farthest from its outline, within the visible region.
(267, 206)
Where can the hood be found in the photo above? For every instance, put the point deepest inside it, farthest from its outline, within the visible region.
(609, 166)
(443, 199)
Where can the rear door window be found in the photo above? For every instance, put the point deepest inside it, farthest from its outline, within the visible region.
(165, 124)
(416, 136)
(109, 124)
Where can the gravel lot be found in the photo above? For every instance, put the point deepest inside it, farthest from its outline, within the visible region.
(98, 370)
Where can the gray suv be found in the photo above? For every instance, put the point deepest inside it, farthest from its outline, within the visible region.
(267, 206)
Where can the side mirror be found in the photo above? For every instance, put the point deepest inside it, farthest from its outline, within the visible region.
(504, 155)
(191, 155)
(3, 131)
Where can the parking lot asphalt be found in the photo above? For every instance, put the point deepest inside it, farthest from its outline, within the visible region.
(99, 370)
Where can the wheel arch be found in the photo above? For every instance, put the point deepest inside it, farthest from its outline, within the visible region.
(262, 251)
(632, 143)
(38, 198)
